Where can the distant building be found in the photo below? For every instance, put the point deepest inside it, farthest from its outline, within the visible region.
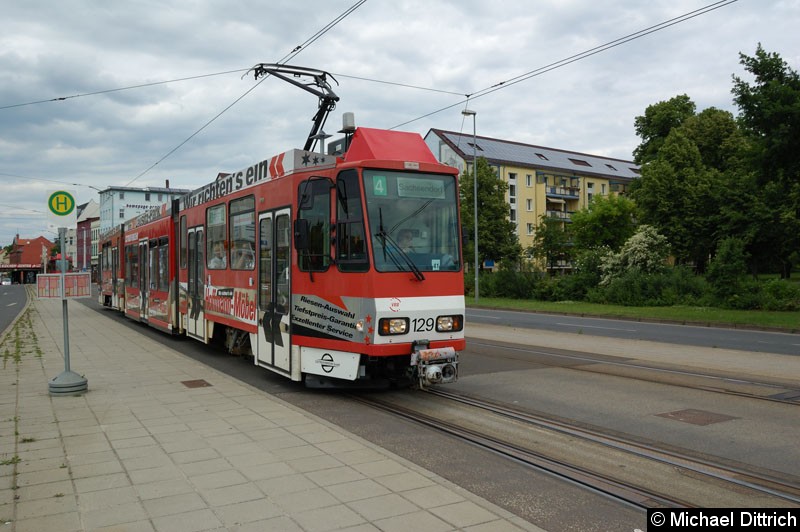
(118, 204)
(78, 240)
(541, 181)
(27, 257)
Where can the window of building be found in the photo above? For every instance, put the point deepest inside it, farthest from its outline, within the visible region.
(512, 194)
(529, 180)
(216, 245)
(147, 196)
(477, 147)
(529, 205)
(580, 162)
(603, 189)
(530, 229)
(243, 233)
(121, 195)
(542, 157)
(611, 167)
(122, 214)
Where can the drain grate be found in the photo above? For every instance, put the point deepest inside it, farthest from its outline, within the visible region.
(199, 383)
(696, 417)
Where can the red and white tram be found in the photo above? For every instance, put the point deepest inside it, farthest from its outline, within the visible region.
(303, 260)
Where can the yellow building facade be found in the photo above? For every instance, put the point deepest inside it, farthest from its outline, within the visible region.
(541, 181)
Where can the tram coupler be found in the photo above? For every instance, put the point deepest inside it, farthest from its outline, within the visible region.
(434, 366)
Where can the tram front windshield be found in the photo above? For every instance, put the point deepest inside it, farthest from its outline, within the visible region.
(413, 221)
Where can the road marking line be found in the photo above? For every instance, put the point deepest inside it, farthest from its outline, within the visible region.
(594, 327)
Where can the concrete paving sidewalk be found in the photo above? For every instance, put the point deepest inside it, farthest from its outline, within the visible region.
(144, 450)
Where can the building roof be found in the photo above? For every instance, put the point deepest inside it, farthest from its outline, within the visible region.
(528, 155)
(27, 252)
(162, 190)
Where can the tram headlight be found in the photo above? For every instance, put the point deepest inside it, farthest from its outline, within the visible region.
(449, 323)
(392, 326)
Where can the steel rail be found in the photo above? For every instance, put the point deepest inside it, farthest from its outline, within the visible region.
(605, 485)
(789, 396)
(759, 482)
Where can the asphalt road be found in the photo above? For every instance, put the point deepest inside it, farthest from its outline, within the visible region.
(12, 301)
(741, 339)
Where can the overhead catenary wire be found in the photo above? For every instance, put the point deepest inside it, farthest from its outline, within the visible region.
(120, 89)
(298, 49)
(577, 57)
(474, 95)
(287, 57)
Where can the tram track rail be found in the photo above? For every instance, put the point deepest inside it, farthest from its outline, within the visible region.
(702, 479)
(750, 388)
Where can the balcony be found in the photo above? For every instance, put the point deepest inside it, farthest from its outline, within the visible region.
(563, 192)
(564, 216)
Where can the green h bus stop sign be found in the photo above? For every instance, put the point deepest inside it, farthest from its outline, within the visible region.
(62, 213)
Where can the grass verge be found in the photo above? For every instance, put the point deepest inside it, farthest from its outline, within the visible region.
(784, 321)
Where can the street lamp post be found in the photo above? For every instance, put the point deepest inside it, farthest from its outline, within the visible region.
(468, 112)
(84, 249)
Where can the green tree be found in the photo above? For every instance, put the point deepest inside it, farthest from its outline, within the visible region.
(645, 252)
(698, 170)
(679, 196)
(496, 238)
(718, 138)
(606, 221)
(770, 115)
(726, 271)
(657, 122)
(551, 242)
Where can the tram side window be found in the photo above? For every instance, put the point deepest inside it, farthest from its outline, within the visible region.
(163, 265)
(127, 266)
(243, 233)
(154, 264)
(351, 246)
(132, 265)
(216, 244)
(184, 243)
(315, 206)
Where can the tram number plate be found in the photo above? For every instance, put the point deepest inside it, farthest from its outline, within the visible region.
(422, 324)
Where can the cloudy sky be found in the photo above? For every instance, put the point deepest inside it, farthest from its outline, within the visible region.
(98, 93)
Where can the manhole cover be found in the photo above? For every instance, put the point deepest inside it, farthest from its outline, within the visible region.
(696, 417)
(199, 383)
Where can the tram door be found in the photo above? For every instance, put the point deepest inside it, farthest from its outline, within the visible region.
(274, 294)
(114, 273)
(144, 278)
(195, 318)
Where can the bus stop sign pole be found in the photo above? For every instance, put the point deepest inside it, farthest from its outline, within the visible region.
(67, 382)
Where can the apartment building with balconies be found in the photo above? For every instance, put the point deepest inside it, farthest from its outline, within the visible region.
(541, 181)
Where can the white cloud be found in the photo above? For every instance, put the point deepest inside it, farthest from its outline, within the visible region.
(62, 49)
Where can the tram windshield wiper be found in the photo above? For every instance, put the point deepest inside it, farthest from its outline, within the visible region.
(395, 247)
